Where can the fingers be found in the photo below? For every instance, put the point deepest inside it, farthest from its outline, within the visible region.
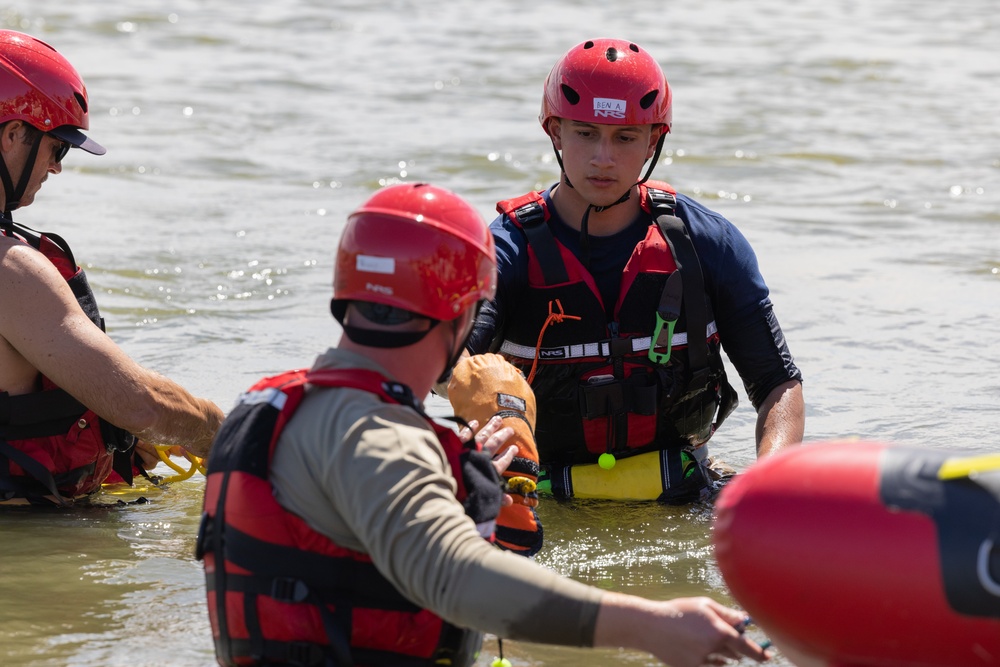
(488, 430)
(148, 456)
(466, 432)
(493, 435)
(502, 461)
(734, 617)
(737, 643)
(743, 645)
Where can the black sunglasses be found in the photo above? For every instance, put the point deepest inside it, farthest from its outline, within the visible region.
(61, 149)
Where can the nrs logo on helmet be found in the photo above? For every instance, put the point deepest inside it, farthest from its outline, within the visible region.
(608, 108)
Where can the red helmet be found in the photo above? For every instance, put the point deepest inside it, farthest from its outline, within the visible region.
(416, 247)
(607, 81)
(40, 87)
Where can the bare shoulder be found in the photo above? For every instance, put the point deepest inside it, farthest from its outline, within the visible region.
(21, 275)
(24, 272)
(21, 262)
(38, 311)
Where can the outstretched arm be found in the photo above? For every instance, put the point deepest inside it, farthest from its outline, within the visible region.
(41, 320)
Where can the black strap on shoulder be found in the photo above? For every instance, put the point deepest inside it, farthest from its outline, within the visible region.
(695, 298)
(533, 221)
(34, 237)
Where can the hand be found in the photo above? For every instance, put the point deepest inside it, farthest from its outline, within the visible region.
(149, 457)
(147, 454)
(491, 438)
(709, 634)
(685, 632)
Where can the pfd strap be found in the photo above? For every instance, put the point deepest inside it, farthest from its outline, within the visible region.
(38, 414)
(601, 349)
(34, 237)
(695, 299)
(617, 397)
(35, 469)
(533, 220)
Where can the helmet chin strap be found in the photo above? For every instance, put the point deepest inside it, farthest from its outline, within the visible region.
(446, 373)
(12, 193)
(584, 235)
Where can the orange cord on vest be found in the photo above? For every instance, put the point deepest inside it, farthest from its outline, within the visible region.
(553, 318)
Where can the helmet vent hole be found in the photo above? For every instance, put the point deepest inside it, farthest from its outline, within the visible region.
(611, 54)
(588, 45)
(82, 101)
(633, 47)
(571, 95)
(648, 99)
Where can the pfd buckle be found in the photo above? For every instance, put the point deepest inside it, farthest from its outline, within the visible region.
(289, 589)
(667, 314)
(662, 323)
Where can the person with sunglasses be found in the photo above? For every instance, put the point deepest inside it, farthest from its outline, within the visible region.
(73, 406)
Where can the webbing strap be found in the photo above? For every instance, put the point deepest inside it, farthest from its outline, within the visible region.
(599, 349)
(695, 298)
(325, 574)
(34, 237)
(38, 414)
(33, 468)
(534, 222)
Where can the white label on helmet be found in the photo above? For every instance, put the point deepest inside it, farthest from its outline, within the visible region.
(605, 107)
(379, 289)
(371, 264)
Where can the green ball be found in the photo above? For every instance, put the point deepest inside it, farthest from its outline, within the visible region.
(606, 461)
(500, 662)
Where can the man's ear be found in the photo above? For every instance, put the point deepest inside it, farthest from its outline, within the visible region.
(11, 133)
(655, 133)
(553, 127)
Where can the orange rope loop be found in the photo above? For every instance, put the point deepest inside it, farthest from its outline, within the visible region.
(553, 318)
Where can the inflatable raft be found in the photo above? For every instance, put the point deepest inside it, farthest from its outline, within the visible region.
(863, 554)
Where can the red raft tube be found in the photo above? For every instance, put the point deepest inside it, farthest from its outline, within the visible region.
(865, 554)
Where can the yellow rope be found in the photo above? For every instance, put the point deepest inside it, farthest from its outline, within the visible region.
(197, 464)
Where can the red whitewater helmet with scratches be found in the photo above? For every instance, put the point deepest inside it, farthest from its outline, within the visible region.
(40, 87)
(416, 247)
(607, 81)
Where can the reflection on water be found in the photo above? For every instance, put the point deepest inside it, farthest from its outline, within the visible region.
(98, 585)
(854, 144)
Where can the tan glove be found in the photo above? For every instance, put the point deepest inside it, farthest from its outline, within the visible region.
(485, 385)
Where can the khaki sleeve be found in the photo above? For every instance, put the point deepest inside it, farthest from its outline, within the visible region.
(391, 483)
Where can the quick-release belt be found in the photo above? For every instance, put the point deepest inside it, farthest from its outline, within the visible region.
(600, 349)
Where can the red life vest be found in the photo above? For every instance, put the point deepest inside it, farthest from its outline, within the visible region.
(52, 448)
(621, 385)
(280, 592)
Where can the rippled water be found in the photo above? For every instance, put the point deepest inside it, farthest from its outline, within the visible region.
(855, 144)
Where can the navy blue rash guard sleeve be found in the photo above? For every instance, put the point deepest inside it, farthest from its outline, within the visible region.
(748, 328)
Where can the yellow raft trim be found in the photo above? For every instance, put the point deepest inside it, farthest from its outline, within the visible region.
(968, 466)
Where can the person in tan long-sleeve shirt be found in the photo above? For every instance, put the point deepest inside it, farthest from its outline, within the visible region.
(72, 403)
(343, 526)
